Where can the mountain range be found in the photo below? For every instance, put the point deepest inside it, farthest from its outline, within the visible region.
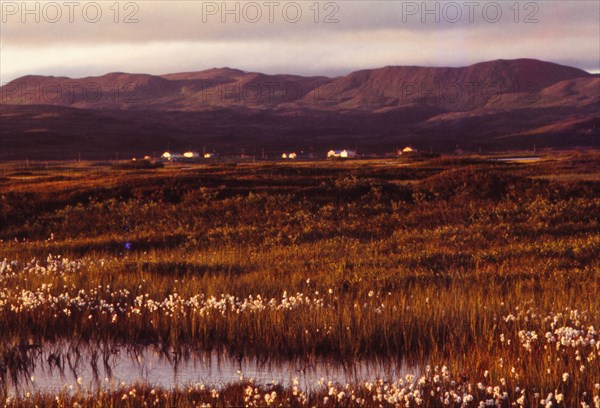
(495, 105)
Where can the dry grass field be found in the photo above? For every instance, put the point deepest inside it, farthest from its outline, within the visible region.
(484, 274)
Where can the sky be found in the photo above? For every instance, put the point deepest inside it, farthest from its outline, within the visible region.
(86, 38)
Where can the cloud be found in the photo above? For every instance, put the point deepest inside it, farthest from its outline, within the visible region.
(92, 38)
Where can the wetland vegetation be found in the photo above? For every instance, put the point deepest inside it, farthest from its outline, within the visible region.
(484, 275)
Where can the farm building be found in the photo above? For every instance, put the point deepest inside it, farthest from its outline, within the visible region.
(291, 156)
(341, 154)
(191, 155)
(172, 156)
(408, 150)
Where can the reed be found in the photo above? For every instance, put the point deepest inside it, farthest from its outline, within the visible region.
(483, 267)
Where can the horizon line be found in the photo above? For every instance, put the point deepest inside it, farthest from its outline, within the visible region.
(345, 72)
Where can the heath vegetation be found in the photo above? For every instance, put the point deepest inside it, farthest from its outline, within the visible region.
(484, 274)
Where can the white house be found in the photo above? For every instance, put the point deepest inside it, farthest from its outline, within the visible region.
(172, 156)
(342, 154)
(191, 155)
(408, 150)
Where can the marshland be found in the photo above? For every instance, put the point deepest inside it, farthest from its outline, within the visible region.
(478, 278)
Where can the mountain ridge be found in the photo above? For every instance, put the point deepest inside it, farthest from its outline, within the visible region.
(501, 105)
(460, 88)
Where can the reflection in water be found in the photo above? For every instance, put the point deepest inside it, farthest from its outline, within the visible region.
(530, 159)
(51, 367)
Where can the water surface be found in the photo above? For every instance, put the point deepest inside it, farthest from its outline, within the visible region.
(55, 367)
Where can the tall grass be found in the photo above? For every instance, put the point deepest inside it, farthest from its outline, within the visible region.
(482, 267)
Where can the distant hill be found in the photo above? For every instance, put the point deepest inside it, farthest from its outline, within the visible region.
(195, 91)
(454, 89)
(502, 104)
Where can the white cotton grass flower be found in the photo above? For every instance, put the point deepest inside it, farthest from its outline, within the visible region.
(568, 331)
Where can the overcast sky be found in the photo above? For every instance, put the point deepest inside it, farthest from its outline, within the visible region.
(83, 38)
